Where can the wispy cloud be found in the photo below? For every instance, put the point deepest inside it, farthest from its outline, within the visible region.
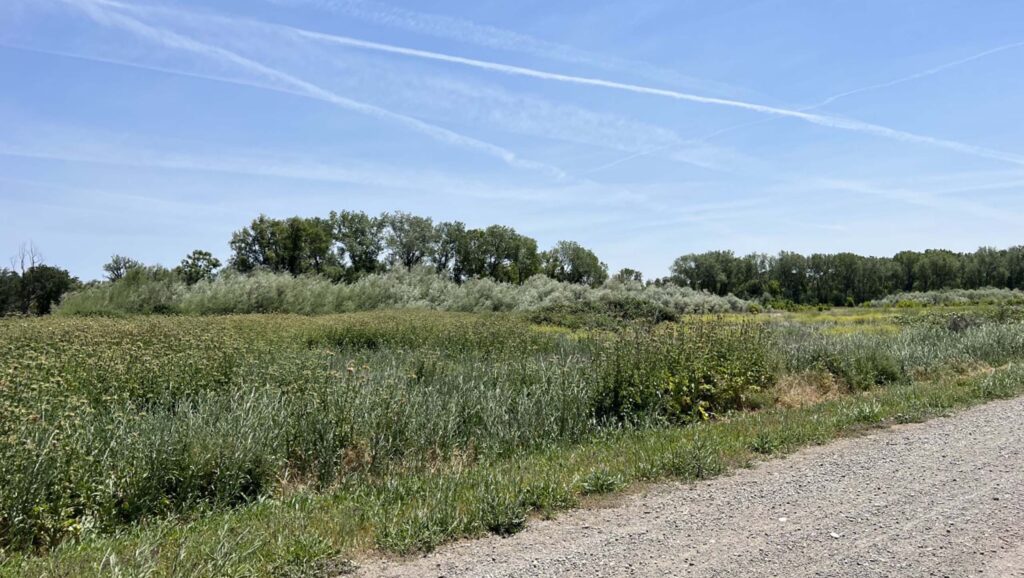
(872, 87)
(834, 122)
(489, 105)
(69, 144)
(468, 32)
(97, 11)
(435, 95)
(101, 150)
(904, 195)
(816, 119)
(618, 204)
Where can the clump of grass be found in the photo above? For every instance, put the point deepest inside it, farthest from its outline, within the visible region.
(600, 481)
(764, 443)
(699, 459)
(806, 388)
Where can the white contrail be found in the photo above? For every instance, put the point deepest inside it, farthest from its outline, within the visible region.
(917, 75)
(818, 119)
(813, 118)
(869, 88)
(602, 125)
(630, 157)
(294, 84)
(470, 32)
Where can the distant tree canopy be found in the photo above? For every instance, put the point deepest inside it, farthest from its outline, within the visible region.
(198, 266)
(846, 278)
(348, 245)
(295, 245)
(42, 287)
(34, 288)
(118, 267)
(570, 262)
(410, 239)
(351, 244)
(626, 274)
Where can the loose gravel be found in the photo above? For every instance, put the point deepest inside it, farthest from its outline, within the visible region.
(942, 498)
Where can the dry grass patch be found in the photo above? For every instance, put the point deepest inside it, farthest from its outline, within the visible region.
(807, 388)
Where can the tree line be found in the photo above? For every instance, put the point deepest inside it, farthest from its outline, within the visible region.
(846, 278)
(348, 245)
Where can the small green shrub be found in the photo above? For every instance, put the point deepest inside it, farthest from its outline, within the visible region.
(699, 459)
(685, 371)
(600, 481)
(764, 443)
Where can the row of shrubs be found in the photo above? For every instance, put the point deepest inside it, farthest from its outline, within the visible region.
(952, 297)
(144, 291)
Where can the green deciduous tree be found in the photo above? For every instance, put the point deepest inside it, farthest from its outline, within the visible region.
(198, 266)
(295, 245)
(42, 287)
(626, 275)
(118, 267)
(10, 292)
(446, 249)
(714, 272)
(360, 238)
(571, 262)
(410, 239)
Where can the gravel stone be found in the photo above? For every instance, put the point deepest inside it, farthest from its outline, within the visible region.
(942, 498)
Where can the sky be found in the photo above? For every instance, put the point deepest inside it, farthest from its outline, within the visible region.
(642, 130)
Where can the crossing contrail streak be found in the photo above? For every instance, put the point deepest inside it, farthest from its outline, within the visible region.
(817, 119)
(915, 76)
(835, 122)
(873, 87)
(487, 36)
(292, 84)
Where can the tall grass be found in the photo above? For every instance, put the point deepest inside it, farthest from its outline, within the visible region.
(309, 533)
(108, 422)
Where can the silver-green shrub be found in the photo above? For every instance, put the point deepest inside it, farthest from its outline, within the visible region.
(264, 292)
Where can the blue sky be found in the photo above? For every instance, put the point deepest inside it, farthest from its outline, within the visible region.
(643, 130)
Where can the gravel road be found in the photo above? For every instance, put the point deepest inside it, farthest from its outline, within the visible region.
(943, 498)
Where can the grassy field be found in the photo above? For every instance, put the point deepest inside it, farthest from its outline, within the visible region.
(281, 445)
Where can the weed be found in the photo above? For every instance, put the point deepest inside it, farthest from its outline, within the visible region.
(600, 481)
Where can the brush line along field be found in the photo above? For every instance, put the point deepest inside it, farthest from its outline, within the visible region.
(283, 445)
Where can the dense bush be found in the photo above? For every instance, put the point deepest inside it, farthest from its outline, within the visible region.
(35, 291)
(686, 371)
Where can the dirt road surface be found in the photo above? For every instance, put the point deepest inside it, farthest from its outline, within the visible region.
(942, 498)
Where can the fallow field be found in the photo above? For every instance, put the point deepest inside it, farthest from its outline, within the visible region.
(287, 445)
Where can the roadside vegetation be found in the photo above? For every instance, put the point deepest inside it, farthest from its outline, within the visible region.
(284, 445)
(356, 383)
